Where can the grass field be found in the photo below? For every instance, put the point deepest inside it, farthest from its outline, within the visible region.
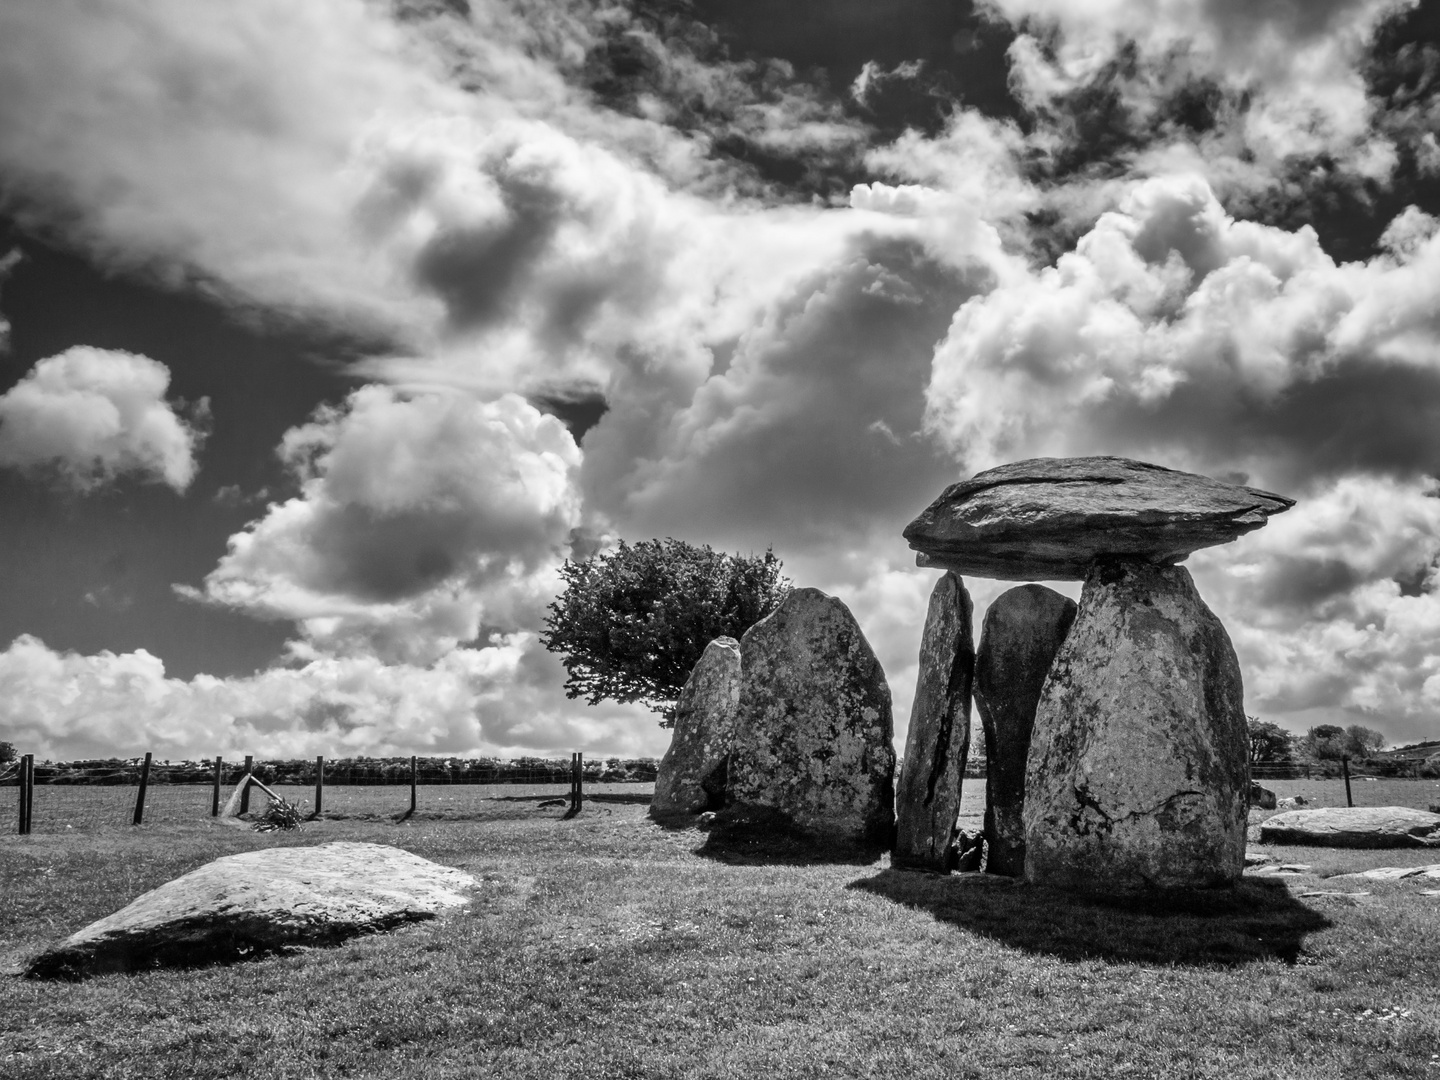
(609, 946)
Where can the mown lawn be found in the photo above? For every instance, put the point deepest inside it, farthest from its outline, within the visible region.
(608, 946)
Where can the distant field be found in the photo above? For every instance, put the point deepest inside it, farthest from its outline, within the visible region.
(1418, 794)
(59, 807)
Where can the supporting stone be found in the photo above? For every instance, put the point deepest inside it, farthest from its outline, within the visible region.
(927, 797)
(813, 739)
(1137, 778)
(1023, 630)
(691, 775)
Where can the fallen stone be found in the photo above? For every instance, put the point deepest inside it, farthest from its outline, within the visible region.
(927, 796)
(1137, 773)
(1257, 858)
(1283, 869)
(1261, 797)
(1331, 894)
(691, 777)
(1050, 518)
(1023, 630)
(1394, 873)
(260, 901)
(1292, 804)
(813, 734)
(1354, 827)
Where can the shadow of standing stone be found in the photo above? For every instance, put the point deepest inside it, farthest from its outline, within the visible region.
(813, 735)
(927, 799)
(1023, 630)
(691, 777)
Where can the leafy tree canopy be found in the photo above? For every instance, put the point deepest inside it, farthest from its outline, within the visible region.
(1330, 742)
(632, 623)
(7, 752)
(1270, 743)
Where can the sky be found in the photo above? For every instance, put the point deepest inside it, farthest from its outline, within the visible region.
(328, 331)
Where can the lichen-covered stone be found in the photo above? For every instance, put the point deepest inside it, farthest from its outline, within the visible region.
(1023, 630)
(258, 901)
(691, 775)
(1050, 518)
(1137, 776)
(927, 797)
(1354, 827)
(813, 736)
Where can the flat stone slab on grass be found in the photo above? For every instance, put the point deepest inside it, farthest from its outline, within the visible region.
(1050, 518)
(1354, 827)
(1395, 873)
(259, 901)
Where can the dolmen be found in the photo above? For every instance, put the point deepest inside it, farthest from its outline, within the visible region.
(1134, 737)
(793, 731)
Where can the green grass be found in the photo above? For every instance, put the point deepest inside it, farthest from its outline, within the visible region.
(608, 946)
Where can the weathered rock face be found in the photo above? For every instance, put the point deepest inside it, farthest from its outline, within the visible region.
(927, 799)
(691, 778)
(1137, 776)
(1024, 629)
(1261, 797)
(261, 900)
(814, 730)
(1354, 827)
(1049, 518)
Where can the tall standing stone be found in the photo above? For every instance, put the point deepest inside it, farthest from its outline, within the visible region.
(927, 798)
(1137, 774)
(1023, 630)
(814, 731)
(692, 772)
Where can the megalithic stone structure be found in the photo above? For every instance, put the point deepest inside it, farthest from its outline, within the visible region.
(927, 796)
(1023, 630)
(1135, 773)
(692, 776)
(814, 734)
(1138, 775)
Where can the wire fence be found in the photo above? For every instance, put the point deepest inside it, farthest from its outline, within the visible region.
(94, 794)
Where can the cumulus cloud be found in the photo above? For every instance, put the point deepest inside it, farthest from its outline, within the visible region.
(88, 416)
(1176, 332)
(500, 700)
(420, 518)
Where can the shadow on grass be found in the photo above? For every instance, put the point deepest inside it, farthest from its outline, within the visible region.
(769, 842)
(1257, 920)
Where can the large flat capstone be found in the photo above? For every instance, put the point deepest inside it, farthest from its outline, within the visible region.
(1137, 775)
(692, 775)
(1354, 827)
(1023, 630)
(259, 901)
(813, 738)
(1050, 518)
(927, 799)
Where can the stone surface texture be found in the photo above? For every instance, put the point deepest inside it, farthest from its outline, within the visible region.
(1137, 775)
(691, 778)
(927, 795)
(1049, 518)
(1354, 827)
(813, 739)
(1262, 798)
(1022, 633)
(257, 901)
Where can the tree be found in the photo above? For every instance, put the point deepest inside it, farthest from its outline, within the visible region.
(7, 752)
(1270, 744)
(632, 623)
(1330, 742)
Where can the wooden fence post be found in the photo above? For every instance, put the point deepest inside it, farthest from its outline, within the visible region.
(245, 794)
(1345, 768)
(140, 794)
(27, 793)
(319, 784)
(215, 791)
(414, 776)
(579, 781)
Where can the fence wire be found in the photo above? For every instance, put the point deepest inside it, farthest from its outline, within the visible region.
(98, 794)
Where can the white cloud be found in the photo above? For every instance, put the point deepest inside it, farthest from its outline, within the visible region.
(91, 415)
(420, 519)
(500, 700)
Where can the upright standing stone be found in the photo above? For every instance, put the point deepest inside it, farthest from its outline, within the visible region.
(692, 772)
(1137, 771)
(814, 731)
(1023, 631)
(927, 799)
